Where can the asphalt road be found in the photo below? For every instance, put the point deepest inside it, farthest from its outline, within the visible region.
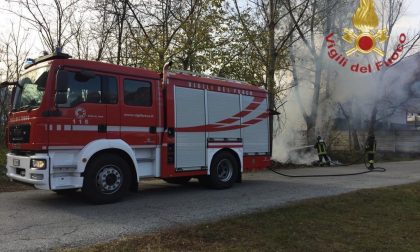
(41, 220)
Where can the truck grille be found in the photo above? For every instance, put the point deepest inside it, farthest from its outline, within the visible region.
(19, 133)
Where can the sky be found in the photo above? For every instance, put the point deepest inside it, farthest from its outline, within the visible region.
(411, 18)
(409, 22)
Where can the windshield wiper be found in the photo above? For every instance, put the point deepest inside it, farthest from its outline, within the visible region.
(27, 107)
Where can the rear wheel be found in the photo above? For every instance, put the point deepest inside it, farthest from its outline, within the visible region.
(224, 171)
(107, 179)
(178, 180)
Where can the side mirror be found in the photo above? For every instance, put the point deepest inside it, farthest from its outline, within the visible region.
(61, 98)
(61, 81)
(12, 98)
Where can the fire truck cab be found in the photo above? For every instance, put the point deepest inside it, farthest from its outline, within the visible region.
(99, 127)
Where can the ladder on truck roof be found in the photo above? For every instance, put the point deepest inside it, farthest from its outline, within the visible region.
(208, 76)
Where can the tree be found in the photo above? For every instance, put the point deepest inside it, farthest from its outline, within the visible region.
(153, 26)
(268, 30)
(201, 36)
(13, 52)
(312, 53)
(318, 77)
(392, 10)
(51, 19)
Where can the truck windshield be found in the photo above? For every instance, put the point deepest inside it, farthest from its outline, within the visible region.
(31, 89)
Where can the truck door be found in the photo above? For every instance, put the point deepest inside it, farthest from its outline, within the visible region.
(139, 112)
(83, 109)
(190, 134)
(113, 109)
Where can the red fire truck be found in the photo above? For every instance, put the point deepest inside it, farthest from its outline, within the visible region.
(99, 127)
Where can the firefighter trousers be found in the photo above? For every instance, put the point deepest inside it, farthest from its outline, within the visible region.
(371, 158)
(325, 157)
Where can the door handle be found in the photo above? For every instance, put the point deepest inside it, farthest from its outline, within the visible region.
(102, 128)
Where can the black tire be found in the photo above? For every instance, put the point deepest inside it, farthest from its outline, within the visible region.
(107, 179)
(224, 171)
(65, 191)
(178, 180)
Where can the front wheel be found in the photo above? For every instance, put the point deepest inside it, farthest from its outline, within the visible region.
(224, 171)
(107, 179)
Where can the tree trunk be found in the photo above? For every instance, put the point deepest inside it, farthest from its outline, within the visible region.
(372, 122)
(121, 30)
(356, 142)
(310, 132)
(312, 119)
(271, 67)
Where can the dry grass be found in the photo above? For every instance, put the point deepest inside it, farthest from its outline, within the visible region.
(369, 220)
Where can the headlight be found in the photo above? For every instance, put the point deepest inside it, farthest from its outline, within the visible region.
(38, 163)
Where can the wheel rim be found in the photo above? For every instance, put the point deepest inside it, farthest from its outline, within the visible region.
(109, 179)
(224, 170)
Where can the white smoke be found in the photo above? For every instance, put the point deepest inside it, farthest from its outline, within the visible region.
(287, 145)
(396, 91)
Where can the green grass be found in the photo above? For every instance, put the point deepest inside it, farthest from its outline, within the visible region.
(385, 219)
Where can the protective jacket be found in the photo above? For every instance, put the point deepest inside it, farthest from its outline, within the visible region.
(321, 147)
(370, 146)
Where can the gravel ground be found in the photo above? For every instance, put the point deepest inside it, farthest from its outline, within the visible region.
(41, 220)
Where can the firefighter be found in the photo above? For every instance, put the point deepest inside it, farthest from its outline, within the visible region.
(370, 148)
(321, 148)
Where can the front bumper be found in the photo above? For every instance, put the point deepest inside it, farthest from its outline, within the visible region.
(18, 168)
